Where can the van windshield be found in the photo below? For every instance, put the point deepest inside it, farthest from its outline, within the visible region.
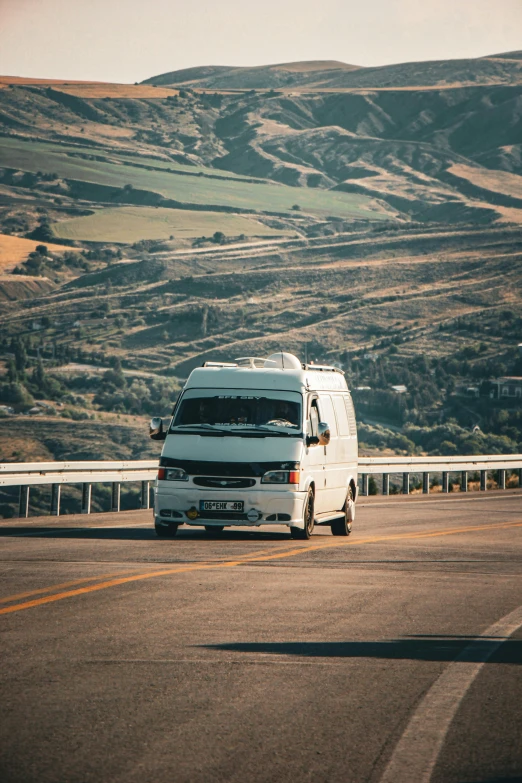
(240, 413)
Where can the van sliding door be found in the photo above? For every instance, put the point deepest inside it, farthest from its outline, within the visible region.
(335, 472)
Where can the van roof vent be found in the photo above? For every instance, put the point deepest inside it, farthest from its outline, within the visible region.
(254, 362)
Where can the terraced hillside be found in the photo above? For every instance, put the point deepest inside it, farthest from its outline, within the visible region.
(369, 217)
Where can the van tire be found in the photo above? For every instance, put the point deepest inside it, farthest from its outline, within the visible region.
(303, 534)
(166, 531)
(343, 525)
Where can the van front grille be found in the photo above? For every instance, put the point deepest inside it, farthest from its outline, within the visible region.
(226, 469)
(224, 482)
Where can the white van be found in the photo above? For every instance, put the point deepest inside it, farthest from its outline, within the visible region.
(259, 442)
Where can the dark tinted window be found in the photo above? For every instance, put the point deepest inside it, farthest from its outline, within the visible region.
(239, 411)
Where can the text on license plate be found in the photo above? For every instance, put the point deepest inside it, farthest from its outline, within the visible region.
(221, 505)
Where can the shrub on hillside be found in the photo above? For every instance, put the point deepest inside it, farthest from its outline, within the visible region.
(15, 394)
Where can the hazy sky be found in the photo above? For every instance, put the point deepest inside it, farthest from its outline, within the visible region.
(130, 40)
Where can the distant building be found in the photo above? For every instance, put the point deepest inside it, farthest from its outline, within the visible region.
(400, 389)
(509, 387)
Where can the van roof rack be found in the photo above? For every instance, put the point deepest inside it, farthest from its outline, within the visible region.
(219, 364)
(322, 368)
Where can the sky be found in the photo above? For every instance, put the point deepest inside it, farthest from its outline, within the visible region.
(131, 40)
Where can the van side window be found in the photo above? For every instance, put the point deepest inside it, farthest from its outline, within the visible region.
(313, 421)
(351, 414)
(326, 413)
(341, 415)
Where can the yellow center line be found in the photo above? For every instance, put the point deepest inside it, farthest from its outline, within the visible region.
(18, 596)
(48, 589)
(254, 557)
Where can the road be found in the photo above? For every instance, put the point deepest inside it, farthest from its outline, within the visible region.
(394, 655)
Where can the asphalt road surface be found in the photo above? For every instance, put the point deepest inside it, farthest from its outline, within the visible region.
(394, 655)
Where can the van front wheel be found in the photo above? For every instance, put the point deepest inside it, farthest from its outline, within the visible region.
(303, 534)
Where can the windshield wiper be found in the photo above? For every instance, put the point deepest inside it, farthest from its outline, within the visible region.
(208, 427)
(278, 433)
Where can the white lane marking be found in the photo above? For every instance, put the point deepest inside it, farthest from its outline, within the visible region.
(418, 749)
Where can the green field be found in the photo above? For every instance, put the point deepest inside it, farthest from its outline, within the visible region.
(236, 193)
(130, 224)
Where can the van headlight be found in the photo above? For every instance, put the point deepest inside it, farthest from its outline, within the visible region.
(172, 474)
(281, 477)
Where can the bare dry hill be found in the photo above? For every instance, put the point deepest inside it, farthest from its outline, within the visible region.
(321, 75)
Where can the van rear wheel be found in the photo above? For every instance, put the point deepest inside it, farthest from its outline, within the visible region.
(303, 534)
(343, 525)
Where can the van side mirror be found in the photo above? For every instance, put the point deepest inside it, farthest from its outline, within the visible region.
(156, 430)
(322, 438)
(323, 433)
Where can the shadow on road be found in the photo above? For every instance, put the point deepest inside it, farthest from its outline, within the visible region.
(434, 648)
(139, 534)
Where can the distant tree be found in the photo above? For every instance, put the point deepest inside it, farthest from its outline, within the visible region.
(20, 355)
(219, 238)
(115, 376)
(296, 207)
(12, 374)
(41, 249)
(39, 378)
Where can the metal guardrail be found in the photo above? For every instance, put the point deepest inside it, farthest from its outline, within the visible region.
(27, 474)
(408, 466)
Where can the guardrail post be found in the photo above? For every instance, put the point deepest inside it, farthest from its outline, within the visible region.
(519, 478)
(445, 481)
(145, 494)
(56, 493)
(115, 504)
(86, 498)
(23, 505)
(501, 479)
(405, 483)
(426, 483)
(483, 480)
(385, 483)
(364, 482)
(464, 481)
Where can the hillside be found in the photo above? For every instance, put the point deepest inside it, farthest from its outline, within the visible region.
(369, 217)
(321, 75)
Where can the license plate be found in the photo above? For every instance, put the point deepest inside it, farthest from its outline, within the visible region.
(221, 505)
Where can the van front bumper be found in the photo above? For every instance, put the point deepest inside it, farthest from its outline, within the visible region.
(273, 507)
